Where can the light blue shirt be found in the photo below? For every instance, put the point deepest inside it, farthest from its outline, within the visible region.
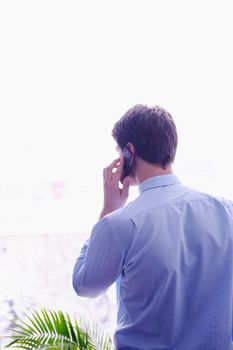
(171, 253)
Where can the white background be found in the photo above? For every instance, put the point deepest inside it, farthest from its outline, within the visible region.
(70, 69)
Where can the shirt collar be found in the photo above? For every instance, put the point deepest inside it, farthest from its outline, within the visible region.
(158, 181)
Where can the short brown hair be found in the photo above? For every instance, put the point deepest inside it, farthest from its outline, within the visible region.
(151, 130)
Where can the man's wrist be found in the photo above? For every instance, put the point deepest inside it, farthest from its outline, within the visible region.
(105, 211)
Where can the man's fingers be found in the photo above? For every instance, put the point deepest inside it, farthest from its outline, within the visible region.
(113, 163)
(120, 166)
(108, 171)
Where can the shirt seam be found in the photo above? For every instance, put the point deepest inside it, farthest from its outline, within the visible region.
(167, 204)
(157, 186)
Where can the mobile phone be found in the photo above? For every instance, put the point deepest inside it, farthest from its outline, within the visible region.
(128, 163)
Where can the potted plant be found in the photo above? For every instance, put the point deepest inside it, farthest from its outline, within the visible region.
(46, 329)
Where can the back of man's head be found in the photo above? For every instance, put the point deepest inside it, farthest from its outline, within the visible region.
(152, 132)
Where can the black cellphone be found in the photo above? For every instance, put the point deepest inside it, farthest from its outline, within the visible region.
(128, 163)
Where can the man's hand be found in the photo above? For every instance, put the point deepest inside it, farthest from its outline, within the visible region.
(114, 196)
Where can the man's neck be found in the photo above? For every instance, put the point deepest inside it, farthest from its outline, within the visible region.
(147, 170)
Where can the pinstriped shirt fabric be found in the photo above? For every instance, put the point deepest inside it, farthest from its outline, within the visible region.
(170, 252)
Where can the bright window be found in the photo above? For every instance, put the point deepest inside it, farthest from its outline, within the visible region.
(68, 72)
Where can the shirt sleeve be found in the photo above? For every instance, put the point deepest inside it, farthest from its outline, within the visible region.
(100, 262)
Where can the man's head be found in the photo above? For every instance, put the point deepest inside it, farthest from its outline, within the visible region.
(152, 132)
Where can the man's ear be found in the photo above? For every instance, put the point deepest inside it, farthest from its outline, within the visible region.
(131, 147)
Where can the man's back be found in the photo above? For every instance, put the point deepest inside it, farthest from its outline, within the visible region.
(172, 254)
(176, 285)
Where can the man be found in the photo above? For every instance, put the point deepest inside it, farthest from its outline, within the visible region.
(170, 250)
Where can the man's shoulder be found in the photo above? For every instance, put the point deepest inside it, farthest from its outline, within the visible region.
(205, 200)
(218, 199)
(127, 214)
(128, 211)
(122, 220)
(123, 214)
(122, 226)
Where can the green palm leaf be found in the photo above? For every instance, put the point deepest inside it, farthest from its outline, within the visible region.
(53, 330)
